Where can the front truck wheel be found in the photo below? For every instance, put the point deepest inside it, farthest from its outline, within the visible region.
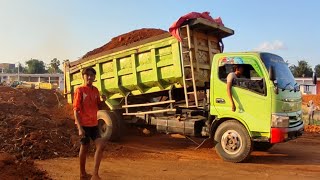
(108, 125)
(232, 142)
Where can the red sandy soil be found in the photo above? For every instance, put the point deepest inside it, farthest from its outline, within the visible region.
(34, 124)
(125, 39)
(314, 98)
(160, 156)
(13, 169)
(37, 125)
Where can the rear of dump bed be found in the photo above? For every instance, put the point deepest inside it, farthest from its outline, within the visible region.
(155, 75)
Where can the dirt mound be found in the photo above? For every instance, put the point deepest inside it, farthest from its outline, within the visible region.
(36, 124)
(11, 168)
(312, 128)
(125, 39)
(314, 98)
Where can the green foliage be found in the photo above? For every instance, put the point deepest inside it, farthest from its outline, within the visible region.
(20, 69)
(5, 70)
(302, 70)
(35, 66)
(54, 66)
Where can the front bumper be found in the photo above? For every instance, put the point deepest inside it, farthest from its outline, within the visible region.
(279, 135)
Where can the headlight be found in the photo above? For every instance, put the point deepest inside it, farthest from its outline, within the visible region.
(280, 121)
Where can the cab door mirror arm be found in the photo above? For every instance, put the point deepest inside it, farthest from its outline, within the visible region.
(272, 77)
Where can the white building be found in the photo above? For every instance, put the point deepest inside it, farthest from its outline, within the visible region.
(307, 86)
(49, 78)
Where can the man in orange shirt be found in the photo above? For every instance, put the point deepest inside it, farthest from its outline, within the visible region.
(86, 105)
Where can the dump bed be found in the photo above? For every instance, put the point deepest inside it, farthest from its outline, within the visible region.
(152, 65)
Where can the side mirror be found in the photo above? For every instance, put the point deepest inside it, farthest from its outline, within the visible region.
(272, 74)
(314, 78)
(272, 77)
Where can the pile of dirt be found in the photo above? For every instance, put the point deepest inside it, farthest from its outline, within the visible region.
(312, 128)
(314, 98)
(11, 168)
(125, 39)
(36, 124)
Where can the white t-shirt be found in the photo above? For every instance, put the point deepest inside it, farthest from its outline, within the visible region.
(231, 76)
(312, 107)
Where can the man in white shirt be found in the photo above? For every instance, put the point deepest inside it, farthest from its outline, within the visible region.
(311, 110)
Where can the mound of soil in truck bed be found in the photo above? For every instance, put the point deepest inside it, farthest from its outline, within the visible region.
(126, 39)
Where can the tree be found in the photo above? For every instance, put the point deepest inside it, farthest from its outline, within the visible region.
(19, 69)
(35, 66)
(302, 70)
(54, 66)
(317, 70)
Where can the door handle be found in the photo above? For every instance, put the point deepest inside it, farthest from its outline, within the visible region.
(220, 100)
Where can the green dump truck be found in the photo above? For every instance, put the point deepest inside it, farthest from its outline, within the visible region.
(180, 87)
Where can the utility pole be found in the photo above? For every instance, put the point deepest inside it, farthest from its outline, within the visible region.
(19, 71)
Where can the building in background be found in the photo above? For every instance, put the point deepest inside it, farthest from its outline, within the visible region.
(57, 79)
(307, 86)
(6, 66)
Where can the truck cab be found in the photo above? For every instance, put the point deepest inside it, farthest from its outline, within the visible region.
(267, 99)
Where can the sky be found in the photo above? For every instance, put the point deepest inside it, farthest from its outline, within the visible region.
(47, 29)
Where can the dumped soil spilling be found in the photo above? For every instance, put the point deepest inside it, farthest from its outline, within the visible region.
(35, 124)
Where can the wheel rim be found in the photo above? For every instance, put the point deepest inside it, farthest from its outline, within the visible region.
(231, 142)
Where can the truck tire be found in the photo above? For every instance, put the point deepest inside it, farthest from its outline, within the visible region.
(108, 125)
(120, 123)
(262, 146)
(232, 142)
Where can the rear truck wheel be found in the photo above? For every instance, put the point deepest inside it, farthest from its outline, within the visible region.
(232, 142)
(262, 146)
(120, 123)
(108, 125)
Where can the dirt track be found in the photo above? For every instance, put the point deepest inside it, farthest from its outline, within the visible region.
(165, 157)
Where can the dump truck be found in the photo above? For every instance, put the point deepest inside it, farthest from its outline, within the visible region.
(180, 86)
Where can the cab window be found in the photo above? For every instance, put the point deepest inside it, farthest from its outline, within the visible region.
(250, 80)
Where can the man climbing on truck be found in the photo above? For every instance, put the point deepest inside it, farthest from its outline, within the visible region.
(86, 105)
(238, 70)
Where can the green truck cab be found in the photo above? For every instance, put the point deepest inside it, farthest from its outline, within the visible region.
(180, 87)
(268, 103)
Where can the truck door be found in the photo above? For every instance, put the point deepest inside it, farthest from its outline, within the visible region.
(253, 105)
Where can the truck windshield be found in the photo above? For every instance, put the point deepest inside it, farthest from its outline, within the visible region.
(283, 74)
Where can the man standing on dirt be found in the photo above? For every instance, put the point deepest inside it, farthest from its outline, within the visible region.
(86, 104)
(311, 110)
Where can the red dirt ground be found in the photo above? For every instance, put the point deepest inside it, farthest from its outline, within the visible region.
(125, 39)
(314, 98)
(12, 169)
(34, 125)
(161, 156)
(38, 125)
